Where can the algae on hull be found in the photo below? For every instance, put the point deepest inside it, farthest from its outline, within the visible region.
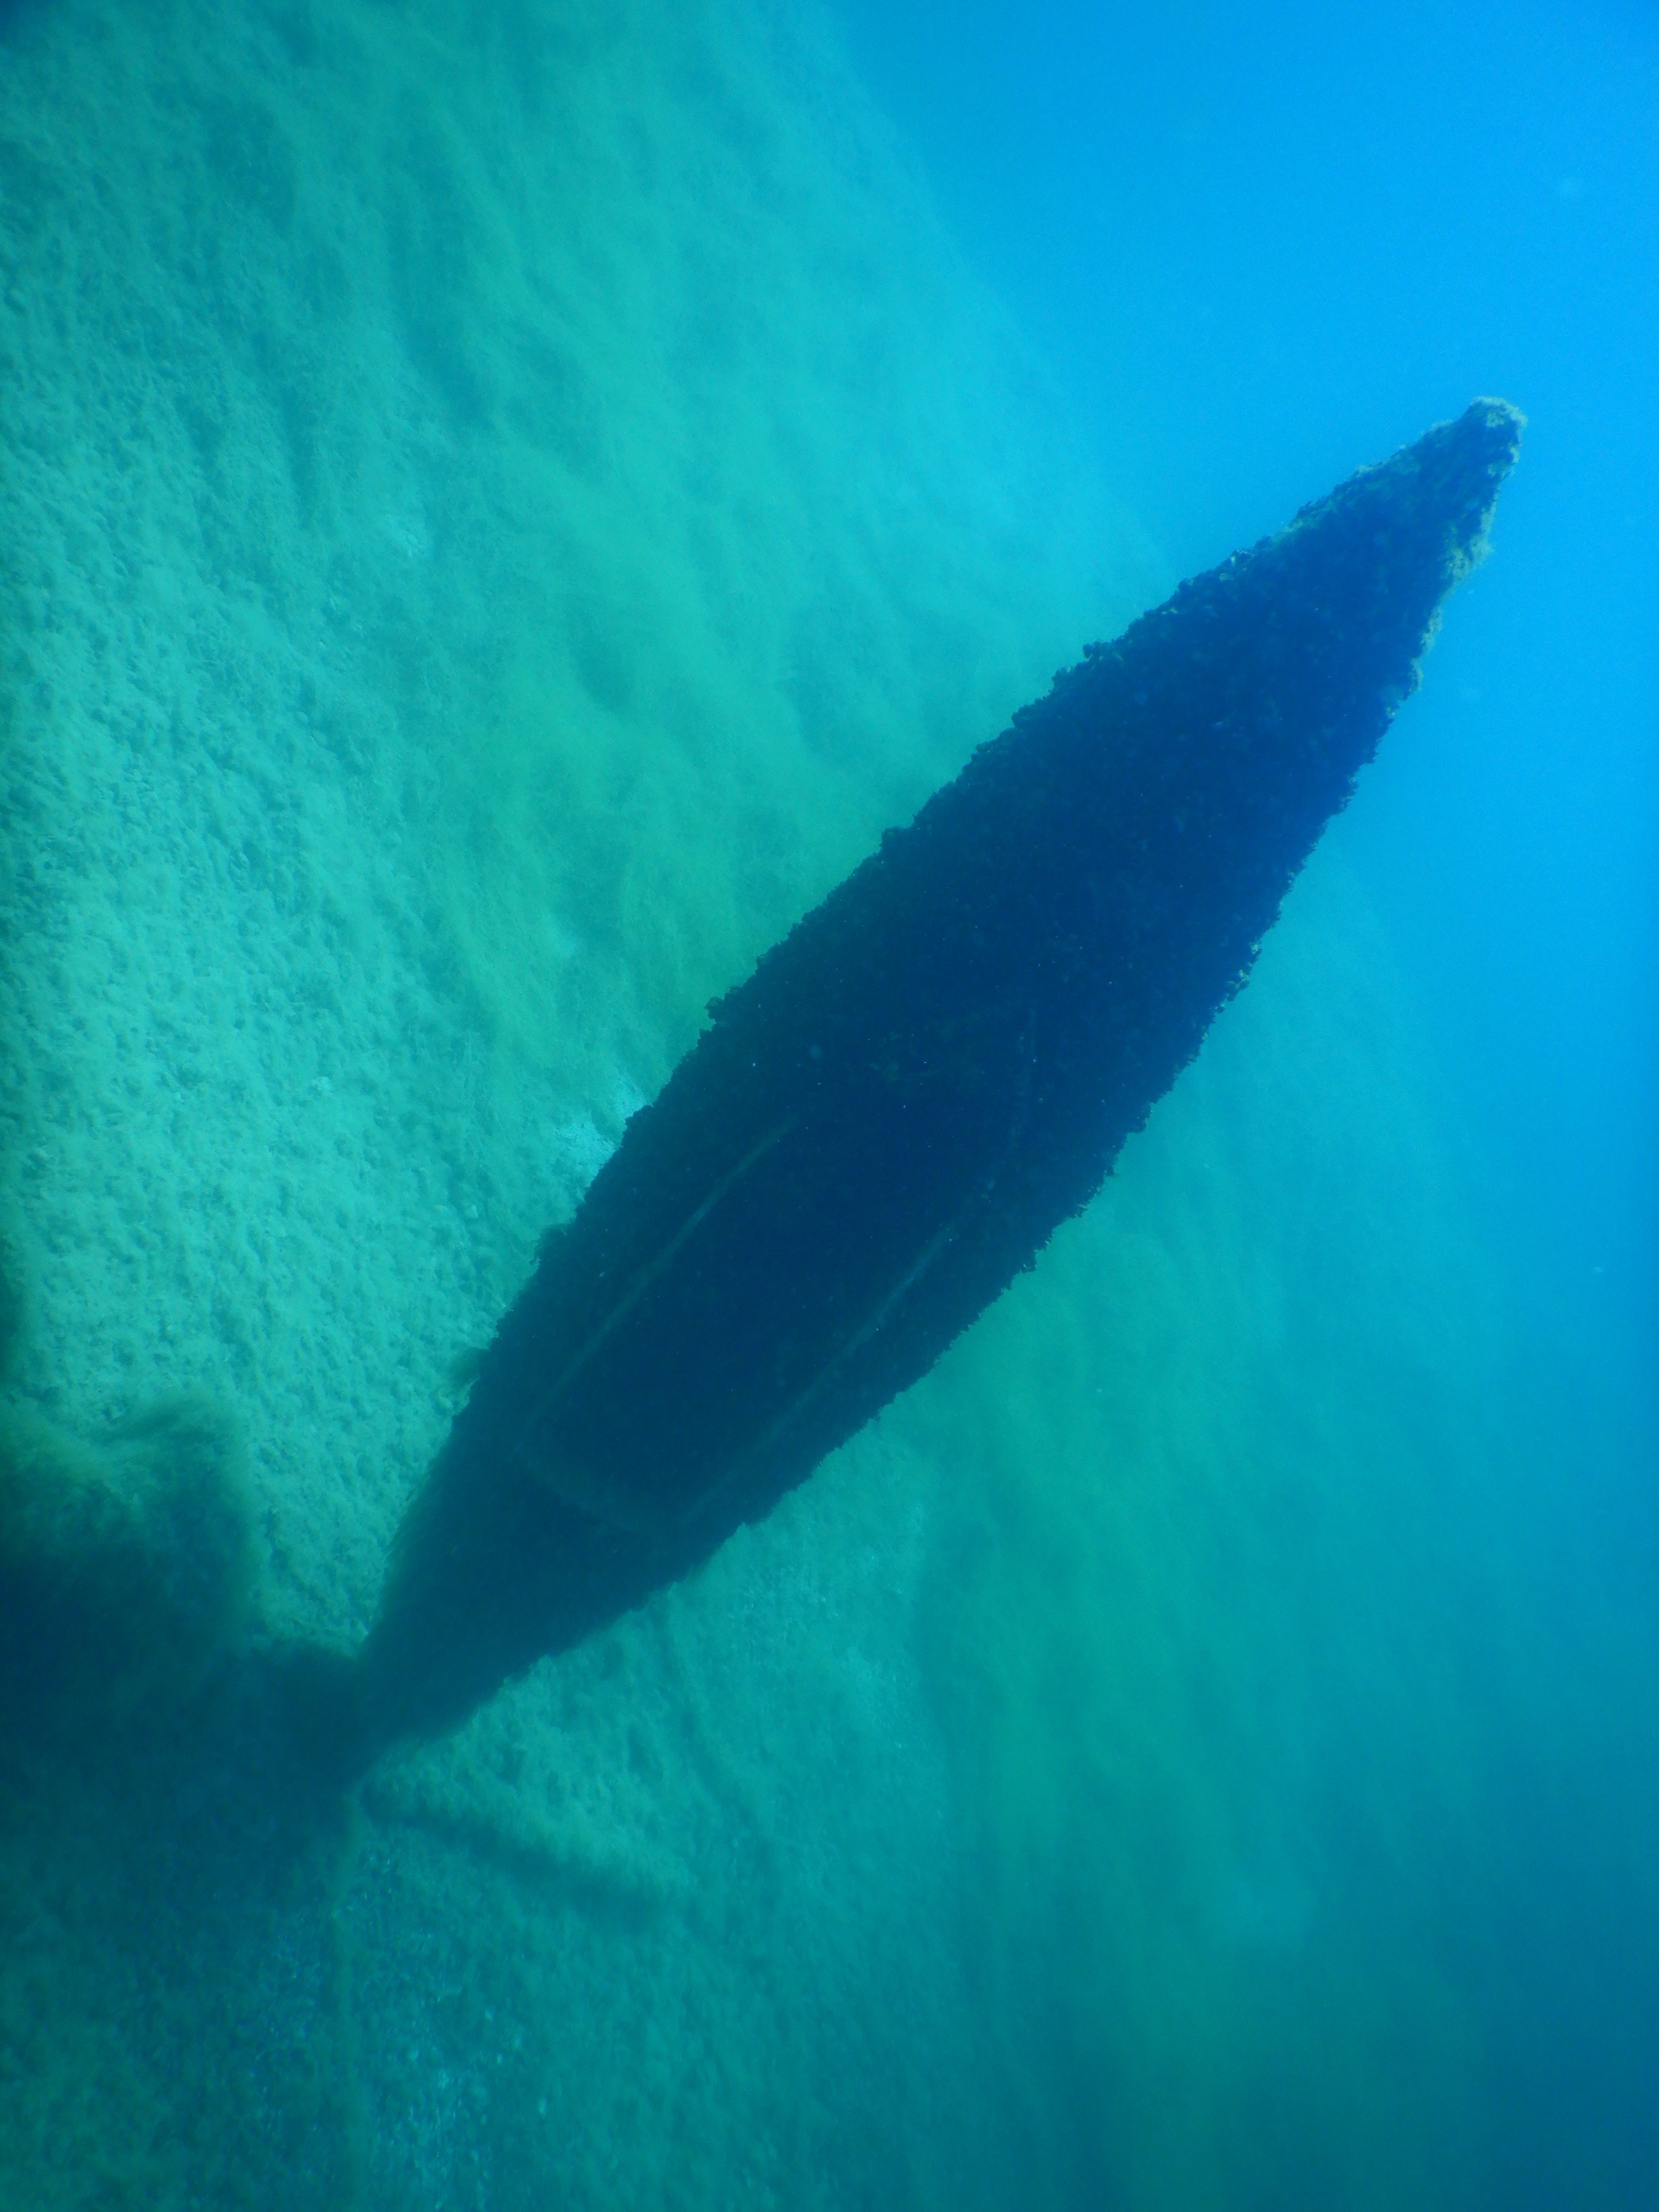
(937, 1066)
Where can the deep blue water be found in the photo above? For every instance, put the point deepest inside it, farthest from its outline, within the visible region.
(1258, 246)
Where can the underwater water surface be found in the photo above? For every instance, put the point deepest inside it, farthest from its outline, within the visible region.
(502, 502)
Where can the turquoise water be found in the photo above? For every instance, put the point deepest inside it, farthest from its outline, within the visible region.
(500, 504)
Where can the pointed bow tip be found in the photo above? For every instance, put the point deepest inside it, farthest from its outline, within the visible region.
(1497, 425)
(1456, 471)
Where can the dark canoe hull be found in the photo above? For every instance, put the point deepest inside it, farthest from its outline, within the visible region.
(936, 1067)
